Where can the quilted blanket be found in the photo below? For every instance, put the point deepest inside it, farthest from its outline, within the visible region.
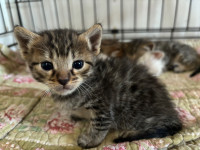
(29, 119)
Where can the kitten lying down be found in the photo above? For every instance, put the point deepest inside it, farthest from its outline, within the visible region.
(178, 57)
(152, 60)
(117, 94)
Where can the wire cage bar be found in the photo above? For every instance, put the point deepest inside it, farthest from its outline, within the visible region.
(39, 15)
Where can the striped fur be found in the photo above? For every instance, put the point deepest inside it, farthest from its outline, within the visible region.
(108, 92)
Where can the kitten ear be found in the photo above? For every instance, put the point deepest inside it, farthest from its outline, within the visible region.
(148, 46)
(158, 54)
(93, 37)
(24, 38)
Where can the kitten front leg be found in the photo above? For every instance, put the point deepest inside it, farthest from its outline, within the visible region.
(95, 133)
(80, 114)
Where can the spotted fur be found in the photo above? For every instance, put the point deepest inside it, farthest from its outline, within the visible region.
(110, 93)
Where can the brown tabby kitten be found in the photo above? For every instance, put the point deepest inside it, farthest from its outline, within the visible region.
(178, 57)
(118, 94)
(133, 50)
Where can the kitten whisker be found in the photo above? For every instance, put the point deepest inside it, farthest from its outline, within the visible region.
(86, 91)
(79, 91)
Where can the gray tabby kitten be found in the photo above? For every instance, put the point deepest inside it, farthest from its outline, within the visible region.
(117, 94)
(179, 57)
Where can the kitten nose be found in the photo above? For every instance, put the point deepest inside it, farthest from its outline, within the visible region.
(63, 81)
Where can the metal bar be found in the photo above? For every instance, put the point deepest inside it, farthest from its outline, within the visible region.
(30, 10)
(148, 14)
(108, 13)
(95, 11)
(175, 18)
(28, 1)
(82, 15)
(164, 38)
(3, 19)
(156, 30)
(69, 14)
(122, 19)
(11, 45)
(44, 15)
(56, 10)
(189, 12)
(10, 13)
(18, 13)
(6, 32)
(135, 15)
(162, 14)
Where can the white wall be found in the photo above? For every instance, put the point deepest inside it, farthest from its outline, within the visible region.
(101, 9)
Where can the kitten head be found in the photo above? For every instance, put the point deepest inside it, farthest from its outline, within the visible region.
(62, 59)
(139, 48)
(185, 62)
(153, 60)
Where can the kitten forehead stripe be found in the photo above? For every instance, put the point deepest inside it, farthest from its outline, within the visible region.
(60, 41)
(34, 63)
(90, 63)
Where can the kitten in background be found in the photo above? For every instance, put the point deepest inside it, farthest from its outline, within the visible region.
(139, 50)
(154, 62)
(115, 93)
(178, 57)
(133, 50)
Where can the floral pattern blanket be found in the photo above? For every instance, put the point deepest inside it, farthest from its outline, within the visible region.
(29, 119)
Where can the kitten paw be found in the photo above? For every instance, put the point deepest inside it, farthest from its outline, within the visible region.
(86, 141)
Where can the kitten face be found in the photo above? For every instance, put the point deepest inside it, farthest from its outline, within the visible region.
(63, 74)
(61, 59)
(181, 64)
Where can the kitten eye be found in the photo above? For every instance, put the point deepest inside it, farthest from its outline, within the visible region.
(47, 65)
(78, 64)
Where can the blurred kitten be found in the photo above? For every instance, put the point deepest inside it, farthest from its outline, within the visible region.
(133, 50)
(178, 57)
(139, 50)
(154, 62)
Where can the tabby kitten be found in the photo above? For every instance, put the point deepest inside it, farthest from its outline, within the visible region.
(118, 94)
(178, 57)
(139, 50)
(133, 50)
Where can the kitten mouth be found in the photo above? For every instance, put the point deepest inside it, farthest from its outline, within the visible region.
(63, 88)
(66, 88)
